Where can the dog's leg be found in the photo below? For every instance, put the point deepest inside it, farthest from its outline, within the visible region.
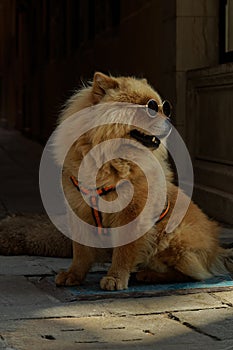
(170, 276)
(83, 258)
(192, 265)
(123, 261)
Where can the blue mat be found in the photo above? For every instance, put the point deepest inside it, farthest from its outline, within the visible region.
(91, 289)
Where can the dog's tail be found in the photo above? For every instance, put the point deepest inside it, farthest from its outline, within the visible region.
(32, 235)
(223, 262)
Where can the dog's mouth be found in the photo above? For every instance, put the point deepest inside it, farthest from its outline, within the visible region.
(147, 140)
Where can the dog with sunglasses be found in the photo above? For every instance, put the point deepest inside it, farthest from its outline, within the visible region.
(190, 252)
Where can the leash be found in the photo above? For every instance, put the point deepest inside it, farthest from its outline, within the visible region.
(94, 199)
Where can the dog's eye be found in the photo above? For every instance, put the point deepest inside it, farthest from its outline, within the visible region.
(153, 108)
(167, 108)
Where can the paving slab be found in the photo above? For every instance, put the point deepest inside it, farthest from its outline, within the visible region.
(20, 298)
(103, 333)
(25, 265)
(130, 307)
(29, 302)
(17, 290)
(225, 297)
(217, 323)
(161, 304)
(32, 265)
(48, 310)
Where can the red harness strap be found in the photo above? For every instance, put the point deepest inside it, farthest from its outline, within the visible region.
(94, 199)
(164, 212)
(95, 207)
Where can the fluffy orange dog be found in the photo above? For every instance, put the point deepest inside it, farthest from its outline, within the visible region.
(191, 251)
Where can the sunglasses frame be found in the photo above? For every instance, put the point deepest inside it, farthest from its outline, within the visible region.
(158, 106)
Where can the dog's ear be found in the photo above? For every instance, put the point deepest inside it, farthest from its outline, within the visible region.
(101, 83)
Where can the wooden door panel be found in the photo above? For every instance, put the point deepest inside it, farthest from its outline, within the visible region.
(209, 130)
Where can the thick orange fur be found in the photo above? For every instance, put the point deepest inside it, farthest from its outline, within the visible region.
(192, 251)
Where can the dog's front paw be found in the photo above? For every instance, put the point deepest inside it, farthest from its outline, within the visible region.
(67, 278)
(113, 283)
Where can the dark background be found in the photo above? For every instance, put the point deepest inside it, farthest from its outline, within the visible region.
(48, 47)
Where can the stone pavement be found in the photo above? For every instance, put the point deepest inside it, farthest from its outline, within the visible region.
(35, 319)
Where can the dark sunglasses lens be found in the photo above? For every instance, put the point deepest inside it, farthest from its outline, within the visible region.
(167, 108)
(152, 108)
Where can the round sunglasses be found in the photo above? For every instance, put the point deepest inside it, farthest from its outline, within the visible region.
(153, 107)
